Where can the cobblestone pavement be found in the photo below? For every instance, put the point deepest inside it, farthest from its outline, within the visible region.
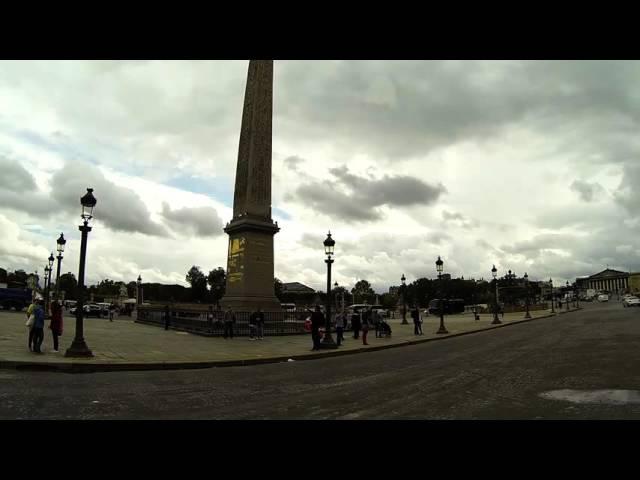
(580, 365)
(123, 342)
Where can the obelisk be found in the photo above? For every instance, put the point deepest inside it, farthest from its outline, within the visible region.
(250, 282)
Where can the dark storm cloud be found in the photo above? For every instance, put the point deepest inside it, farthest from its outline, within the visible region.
(586, 190)
(201, 221)
(18, 190)
(355, 198)
(628, 194)
(119, 208)
(586, 111)
(14, 177)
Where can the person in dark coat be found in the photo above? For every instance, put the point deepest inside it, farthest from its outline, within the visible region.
(366, 322)
(167, 317)
(317, 321)
(56, 323)
(417, 326)
(229, 320)
(355, 324)
(38, 326)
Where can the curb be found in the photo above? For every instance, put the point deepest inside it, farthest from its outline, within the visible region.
(132, 367)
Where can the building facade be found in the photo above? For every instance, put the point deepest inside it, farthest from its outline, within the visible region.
(607, 281)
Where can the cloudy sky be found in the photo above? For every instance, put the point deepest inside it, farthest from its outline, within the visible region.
(530, 165)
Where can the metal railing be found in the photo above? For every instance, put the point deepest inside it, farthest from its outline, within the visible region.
(198, 321)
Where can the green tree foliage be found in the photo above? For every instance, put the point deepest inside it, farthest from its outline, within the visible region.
(277, 287)
(363, 292)
(389, 301)
(69, 285)
(217, 280)
(198, 282)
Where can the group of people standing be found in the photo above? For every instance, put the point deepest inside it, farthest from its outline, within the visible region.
(36, 317)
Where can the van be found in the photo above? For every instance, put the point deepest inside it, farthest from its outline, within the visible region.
(603, 297)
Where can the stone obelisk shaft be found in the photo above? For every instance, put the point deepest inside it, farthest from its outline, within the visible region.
(250, 282)
(253, 174)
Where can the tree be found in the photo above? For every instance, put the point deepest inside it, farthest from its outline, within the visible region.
(363, 292)
(198, 283)
(389, 301)
(68, 285)
(217, 280)
(277, 287)
(3, 275)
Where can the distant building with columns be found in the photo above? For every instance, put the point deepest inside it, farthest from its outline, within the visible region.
(607, 280)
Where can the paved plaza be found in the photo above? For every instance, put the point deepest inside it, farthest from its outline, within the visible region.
(579, 365)
(123, 344)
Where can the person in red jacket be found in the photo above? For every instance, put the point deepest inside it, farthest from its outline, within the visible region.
(56, 323)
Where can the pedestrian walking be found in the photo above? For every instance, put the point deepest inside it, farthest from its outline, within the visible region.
(417, 324)
(38, 327)
(56, 323)
(112, 309)
(366, 319)
(317, 320)
(339, 328)
(260, 324)
(167, 317)
(356, 323)
(229, 320)
(30, 321)
(210, 318)
(253, 325)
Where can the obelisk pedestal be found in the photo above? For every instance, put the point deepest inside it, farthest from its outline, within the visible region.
(250, 281)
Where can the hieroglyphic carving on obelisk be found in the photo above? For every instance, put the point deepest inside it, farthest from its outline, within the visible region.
(250, 282)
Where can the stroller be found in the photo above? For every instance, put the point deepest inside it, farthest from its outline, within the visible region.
(383, 329)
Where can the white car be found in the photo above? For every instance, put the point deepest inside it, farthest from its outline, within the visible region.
(631, 302)
(603, 298)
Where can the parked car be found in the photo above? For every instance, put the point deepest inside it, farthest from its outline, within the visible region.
(90, 310)
(603, 297)
(631, 301)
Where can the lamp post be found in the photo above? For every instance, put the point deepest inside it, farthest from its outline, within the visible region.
(335, 295)
(439, 266)
(79, 347)
(526, 286)
(494, 273)
(553, 310)
(61, 243)
(139, 291)
(51, 259)
(404, 300)
(44, 289)
(327, 341)
(567, 284)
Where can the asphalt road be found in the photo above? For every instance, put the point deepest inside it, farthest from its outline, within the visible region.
(592, 357)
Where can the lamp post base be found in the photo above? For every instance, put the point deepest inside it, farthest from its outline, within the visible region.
(78, 349)
(442, 331)
(496, 321)
(527, 315)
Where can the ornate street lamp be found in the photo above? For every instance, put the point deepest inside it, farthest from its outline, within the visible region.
(404, 299)
(553, 310)
(567, 295)
(60, 247)
(439, 267)
(494, 273)
(47, 302)
(79, 347)
(47, 270)
(139, 291)
(327, 341)
(526, 286)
